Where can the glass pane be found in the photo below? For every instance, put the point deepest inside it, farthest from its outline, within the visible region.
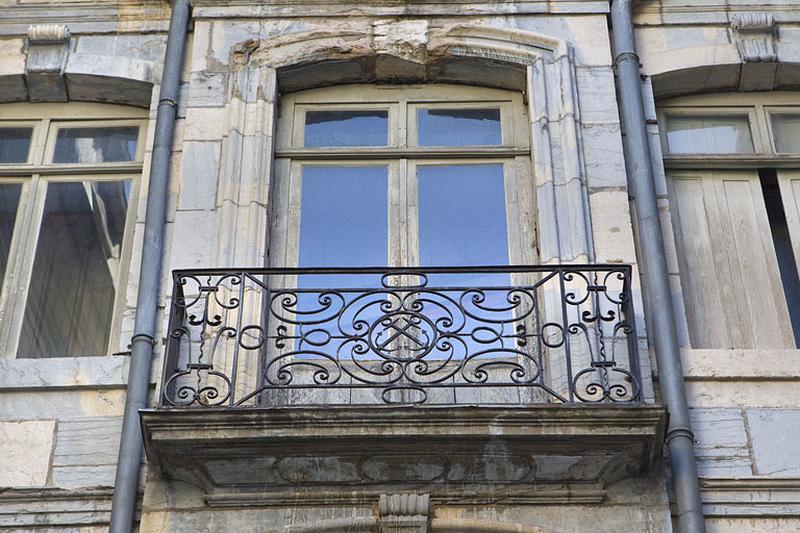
(462, 222)
(9, 201)
(343, 221)
(462, 215)
(459, 127)
(787, 133)
(462, 219)
(346, 128)
(75, 270)
(15, 144)
(96, 145)
(709, 135)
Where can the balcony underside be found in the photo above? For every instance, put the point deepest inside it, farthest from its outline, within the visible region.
(545, 453)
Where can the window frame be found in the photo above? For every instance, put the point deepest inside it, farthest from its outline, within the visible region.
(725, 112)
(759, 107)
(36, 175)
(401, 156)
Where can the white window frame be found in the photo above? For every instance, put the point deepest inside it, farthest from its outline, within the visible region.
(757, 106)
(402, 155)
(35, 175)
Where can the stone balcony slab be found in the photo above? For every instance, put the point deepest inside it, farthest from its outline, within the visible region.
(545, 453)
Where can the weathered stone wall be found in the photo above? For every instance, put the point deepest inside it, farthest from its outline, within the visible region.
(60, 419)
(743, 402)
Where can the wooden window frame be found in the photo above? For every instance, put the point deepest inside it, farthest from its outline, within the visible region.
(401, 155)
(35, 175)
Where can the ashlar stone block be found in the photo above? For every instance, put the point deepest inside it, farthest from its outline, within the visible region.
(26, 447)
(776, 441)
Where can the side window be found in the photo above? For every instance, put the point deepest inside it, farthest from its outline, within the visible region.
(68, 181)
(734, 184)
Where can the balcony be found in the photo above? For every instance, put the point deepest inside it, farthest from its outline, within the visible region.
(310, 379)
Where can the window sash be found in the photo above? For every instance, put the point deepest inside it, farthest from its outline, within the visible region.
(402, 105)
(13, 299)
(402, 157)
(35, 175)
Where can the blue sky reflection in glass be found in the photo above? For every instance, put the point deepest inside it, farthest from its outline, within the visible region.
(346, 128)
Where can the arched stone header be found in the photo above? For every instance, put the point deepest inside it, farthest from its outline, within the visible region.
(727, 77)
(404, 51)
(415, 51)
(49, 70)
(746, 56)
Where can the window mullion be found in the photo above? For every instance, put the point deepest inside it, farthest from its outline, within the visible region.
(411, 213)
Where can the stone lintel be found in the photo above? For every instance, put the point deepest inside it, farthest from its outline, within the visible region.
(559, 452)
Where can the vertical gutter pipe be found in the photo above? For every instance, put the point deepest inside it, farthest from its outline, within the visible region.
(638, 163)
(130, 449)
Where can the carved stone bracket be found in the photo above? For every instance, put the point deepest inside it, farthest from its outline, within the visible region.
(47, 53)
(755, 35)
(404, 513)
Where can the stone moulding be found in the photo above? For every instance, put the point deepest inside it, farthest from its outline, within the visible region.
(755, 35)
(404, 513)
(518, 454)
(31, 508)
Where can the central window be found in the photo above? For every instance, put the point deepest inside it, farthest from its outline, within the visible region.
(403, 176)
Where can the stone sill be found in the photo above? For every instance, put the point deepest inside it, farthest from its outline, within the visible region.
(553, 453)
(745, 365)
(63, 372)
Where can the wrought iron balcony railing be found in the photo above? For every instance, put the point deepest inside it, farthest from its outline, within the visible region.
(355, 336)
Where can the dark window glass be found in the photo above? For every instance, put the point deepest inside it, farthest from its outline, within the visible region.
(9, 202)
(786, 128)
(459, 127)
(709, 135)
(15, 143)
(346, 128)
(75, 270)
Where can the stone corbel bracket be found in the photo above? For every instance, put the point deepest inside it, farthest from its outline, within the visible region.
(755, 35)
(404, 513)
(48, 47)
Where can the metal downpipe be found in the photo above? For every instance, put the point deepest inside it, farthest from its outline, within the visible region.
(680, 439)
(130, 449)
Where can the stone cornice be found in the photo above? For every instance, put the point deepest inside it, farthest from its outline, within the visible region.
(391, 8)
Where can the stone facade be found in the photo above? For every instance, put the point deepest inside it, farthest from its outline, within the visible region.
(60, 419)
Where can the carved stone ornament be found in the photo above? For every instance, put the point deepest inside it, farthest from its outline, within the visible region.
(755, 35)
(404, 513)
(47, 53)
(47, 33)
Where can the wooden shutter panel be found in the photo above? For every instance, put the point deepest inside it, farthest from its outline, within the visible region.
(789, 182)
(732, 287)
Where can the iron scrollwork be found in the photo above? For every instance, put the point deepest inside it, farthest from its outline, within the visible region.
(408, 336)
